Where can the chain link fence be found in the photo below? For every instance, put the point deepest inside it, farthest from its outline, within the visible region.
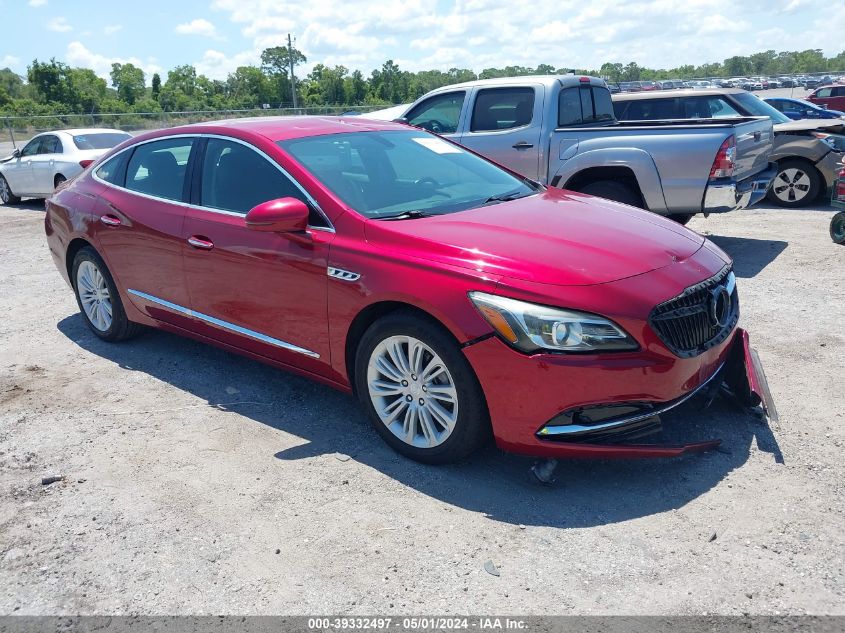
(17, 130)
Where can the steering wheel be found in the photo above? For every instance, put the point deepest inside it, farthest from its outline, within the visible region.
(433, 125)
(430, 184)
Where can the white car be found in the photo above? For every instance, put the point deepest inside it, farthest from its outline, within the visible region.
(51, 158)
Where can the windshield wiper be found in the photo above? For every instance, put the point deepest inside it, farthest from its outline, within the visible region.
(407, 215)
(507, 196)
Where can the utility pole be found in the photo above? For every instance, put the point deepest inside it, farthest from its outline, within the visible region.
(292, 78)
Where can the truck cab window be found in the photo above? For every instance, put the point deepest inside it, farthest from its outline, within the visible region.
(439, 114)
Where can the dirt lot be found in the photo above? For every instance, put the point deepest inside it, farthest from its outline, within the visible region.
(200, 482)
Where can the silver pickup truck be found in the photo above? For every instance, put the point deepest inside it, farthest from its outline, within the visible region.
(561, 131)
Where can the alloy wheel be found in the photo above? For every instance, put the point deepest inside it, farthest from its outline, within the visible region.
(412, 391)
(94, 295)
(792, 185)
(4, 191)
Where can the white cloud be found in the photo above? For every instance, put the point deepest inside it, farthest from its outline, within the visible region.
(217, 65)
(78, 55)
(111, 29)
(59, 25)
(200, 26)
(37, 3)
(8, 61)
(479, 34)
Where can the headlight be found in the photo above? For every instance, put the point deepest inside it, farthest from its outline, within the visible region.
(530, 327)
(836, 142)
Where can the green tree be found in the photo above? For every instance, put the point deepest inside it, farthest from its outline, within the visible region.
(52, 83)
(156, 86)
(11, 83)
(612, 71)
(89, 88)
(129, 81)
(737, 66)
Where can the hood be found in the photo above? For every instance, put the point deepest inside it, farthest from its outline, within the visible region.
(555, 237)
(834, 126)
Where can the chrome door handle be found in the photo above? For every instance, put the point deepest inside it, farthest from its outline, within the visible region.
(523, 145)
(200, 242)
(110, 220)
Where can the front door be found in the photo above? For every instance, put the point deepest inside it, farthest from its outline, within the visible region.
(17, 171)
(440, 113)
(504, 126)
(139, 217)
(262, 292)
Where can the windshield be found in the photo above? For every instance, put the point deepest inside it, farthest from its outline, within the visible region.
(385, 174)
(757, 107)
(99, 140)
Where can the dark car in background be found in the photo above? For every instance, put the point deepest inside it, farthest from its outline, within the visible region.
(797, 109)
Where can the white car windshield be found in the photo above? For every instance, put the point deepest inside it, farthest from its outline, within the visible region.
(99, 140)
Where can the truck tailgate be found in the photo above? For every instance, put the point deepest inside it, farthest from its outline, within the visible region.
(754, 140)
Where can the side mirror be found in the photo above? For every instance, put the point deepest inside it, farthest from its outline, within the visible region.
(16, 154)
(401, 119)
(283, 215)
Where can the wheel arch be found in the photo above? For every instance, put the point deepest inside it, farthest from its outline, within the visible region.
(75, 245)
(372, 313)
(622, 175)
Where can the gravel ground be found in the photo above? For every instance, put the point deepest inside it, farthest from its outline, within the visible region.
(198, 482)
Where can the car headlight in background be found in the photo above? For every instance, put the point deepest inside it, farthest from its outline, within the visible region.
(530, 327)
(836, 142)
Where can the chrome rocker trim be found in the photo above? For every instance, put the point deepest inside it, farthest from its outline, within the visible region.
(258, 336)
(563, 430)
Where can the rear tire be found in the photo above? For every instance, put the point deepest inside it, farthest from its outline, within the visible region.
(430, 405)
(681, 218)
(837, 228)
(98, 298)
(797, 184)
(6, 195)
(612, 190)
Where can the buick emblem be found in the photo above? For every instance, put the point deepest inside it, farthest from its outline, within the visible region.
(720, 306)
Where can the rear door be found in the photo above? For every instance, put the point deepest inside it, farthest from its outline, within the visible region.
(259, 291)
(138, 223)
(505, 125)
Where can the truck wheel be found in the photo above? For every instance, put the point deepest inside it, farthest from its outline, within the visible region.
(612, 190)
(797, 184)
(837, 228)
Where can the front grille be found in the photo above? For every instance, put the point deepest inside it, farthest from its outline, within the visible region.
(698, 318)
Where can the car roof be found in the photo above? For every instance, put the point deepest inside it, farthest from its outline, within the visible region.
(79, 131)
(677, 93)
(282, 128)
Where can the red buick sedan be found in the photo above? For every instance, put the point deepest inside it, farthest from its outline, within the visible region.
(454, 298)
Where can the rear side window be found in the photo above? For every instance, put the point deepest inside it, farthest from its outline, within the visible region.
(50, 145)
(99, 140)
(584, 106)
(237, 178)
(113, 171)
(502, 109)
(158, 168)
(439, 114)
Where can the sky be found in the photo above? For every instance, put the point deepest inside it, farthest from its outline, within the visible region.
(217, 36)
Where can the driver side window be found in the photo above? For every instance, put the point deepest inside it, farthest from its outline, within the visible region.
(31, 148)
(439, 114)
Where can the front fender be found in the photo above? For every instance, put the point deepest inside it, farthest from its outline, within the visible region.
(638, 161)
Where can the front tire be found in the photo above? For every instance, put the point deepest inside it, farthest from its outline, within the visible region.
(797, 184)
(612, 190)
(419, 391)
(98, 298)
(6, 195)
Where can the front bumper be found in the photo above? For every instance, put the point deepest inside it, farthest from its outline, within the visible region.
(527, 395)
(721, 197)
